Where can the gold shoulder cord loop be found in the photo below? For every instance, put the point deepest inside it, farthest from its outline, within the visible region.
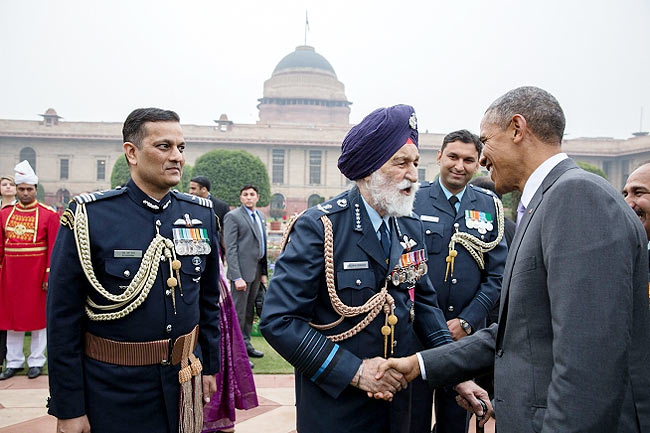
(378, 302)
(474, 245)
(136, 292)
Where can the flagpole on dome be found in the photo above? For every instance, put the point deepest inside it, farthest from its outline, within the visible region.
(306, 26)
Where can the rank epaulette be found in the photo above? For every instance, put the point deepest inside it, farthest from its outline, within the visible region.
(205, 202)
(99, 195)
(483, 190)
(334, 205)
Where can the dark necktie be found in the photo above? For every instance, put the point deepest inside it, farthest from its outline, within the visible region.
(452, 201)
(260, 236)
(385, 238)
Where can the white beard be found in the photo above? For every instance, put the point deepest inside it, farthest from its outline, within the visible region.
(386, 195)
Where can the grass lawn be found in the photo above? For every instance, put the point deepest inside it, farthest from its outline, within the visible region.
(271, 363)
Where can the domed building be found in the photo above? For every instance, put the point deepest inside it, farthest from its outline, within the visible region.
(303, 118)
(304, 89)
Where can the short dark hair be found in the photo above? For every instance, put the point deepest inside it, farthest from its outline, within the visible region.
(133, 129)
(464, 136)
(541, 110)
(249, 186)
(484, 182)
(203, 181)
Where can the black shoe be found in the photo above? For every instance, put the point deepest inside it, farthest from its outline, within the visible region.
(251, 364)
(9, 372)
(253, 353)
(34, 372)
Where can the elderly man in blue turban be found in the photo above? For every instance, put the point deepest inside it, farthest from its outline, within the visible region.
(351, 289)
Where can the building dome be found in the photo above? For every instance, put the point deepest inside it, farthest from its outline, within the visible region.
(304, 89)
(304, 57)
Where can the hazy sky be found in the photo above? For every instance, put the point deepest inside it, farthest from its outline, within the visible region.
(97, 60)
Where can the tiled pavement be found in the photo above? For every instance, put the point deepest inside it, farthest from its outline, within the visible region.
(22, 407)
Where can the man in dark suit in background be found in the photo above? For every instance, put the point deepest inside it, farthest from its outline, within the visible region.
(570, 352)
(244, 230)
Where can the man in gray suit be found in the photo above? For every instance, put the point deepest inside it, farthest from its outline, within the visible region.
(571, 350)
(244, 230)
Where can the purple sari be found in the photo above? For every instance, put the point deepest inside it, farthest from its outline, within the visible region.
(235, 385)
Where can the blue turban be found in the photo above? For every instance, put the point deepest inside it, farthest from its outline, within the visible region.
(371, 143)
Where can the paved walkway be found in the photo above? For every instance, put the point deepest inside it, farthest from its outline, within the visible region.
(22, 407)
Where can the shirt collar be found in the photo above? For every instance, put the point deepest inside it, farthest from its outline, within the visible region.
(250, 212)
(449, 193)
(535, 180)
(375, 218)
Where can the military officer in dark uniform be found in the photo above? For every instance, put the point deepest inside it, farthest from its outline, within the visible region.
(467, 252)
(350, 287)
(133, 272)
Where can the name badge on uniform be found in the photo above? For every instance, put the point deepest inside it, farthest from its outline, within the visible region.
(429, 218)
(355, 265)
(481, 221)
(191, 241)
(127, 253)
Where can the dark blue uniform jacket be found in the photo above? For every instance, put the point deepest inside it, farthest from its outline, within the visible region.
(298, 295)
(121, 398)
(471, 292)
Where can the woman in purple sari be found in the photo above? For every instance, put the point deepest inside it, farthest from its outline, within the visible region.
(235, 386)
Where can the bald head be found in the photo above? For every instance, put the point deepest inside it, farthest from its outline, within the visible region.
(637, 194)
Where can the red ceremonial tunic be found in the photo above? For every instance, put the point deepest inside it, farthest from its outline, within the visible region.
(27, 235)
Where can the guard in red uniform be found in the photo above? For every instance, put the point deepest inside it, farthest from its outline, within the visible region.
(27, 235)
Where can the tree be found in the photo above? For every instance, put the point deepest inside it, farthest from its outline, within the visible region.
(229, 170)
(592, 169)
(184, 186)
(120, 174)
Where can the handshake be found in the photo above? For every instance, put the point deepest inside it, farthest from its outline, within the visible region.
(382, 378)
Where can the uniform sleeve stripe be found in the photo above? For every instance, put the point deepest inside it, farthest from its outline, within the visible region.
(326, 363)
(313, 354)
(484, 300)
(304, 344)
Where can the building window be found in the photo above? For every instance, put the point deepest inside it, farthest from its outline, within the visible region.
(101, 169)
(27, 153)
(277, 174)
(315, 158)
(277, 206)
(314, 199)
(422, 174)
(64, 164)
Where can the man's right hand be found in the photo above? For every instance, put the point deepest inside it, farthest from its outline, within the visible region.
(240, 284)
(73, 425)
(408, 366)
(387, 385)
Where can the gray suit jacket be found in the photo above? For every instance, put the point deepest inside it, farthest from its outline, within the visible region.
(571, 352)
(242, 245)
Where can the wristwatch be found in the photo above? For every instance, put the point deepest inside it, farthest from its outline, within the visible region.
(466, 326)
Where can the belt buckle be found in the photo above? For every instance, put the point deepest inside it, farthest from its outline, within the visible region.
(165, 362)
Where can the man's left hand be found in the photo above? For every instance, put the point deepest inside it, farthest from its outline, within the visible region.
(468, 398)
(457, 332)
(44, 286)
(209, 387)
(263, 279)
